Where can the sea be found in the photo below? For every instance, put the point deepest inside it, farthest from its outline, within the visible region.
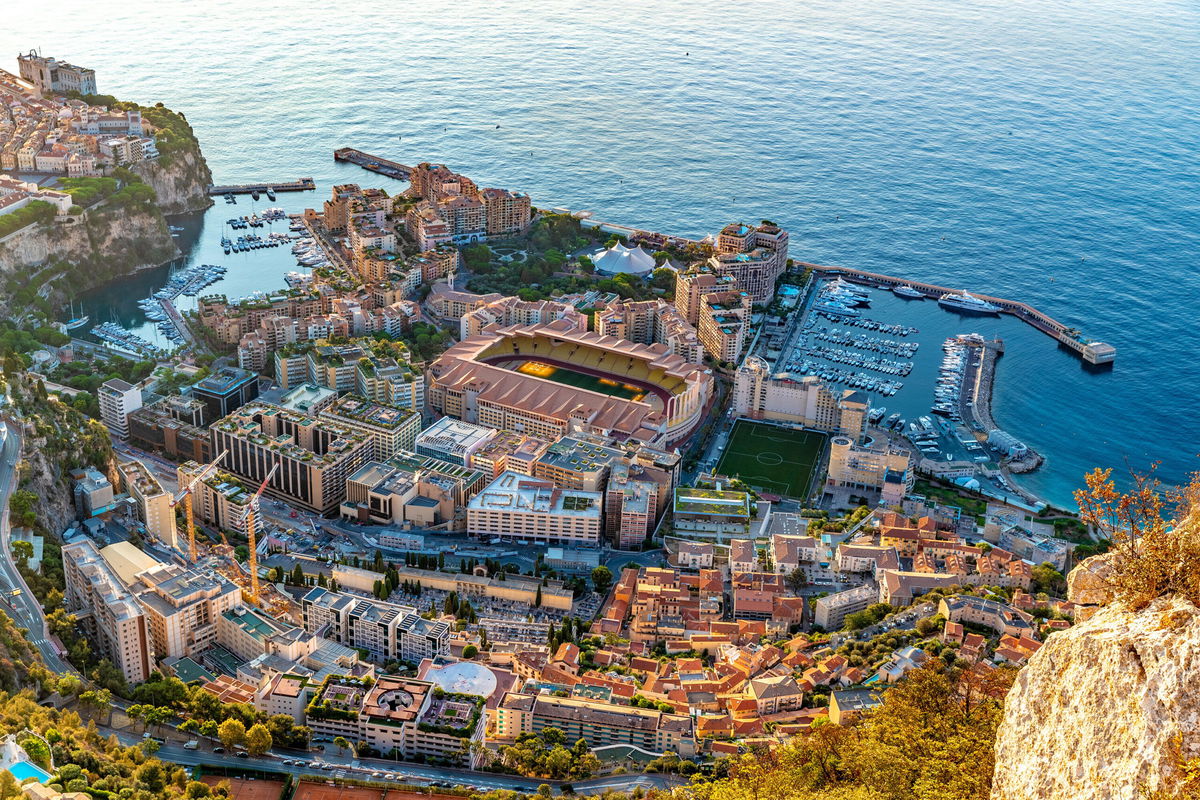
(1043, 150)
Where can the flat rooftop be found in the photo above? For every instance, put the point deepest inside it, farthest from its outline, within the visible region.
(515, 492)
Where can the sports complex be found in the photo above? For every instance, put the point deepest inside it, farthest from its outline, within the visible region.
(548, 378)
(772, 458)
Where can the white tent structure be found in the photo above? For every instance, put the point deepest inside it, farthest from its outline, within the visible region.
(621, 259)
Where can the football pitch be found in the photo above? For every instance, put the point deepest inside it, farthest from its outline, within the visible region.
(777, 460)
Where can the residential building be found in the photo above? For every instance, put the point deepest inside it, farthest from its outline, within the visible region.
(599, 724)
(172, 426)
(385, 631)
(830, 611)
(107, 610)
(630, 507)
(754, 256)
(515, 506)
(118, 400)
(508, 450)
(651, 322)
(315, 455)
(182, 606)
(153, 503)
(724, 325)
(220, 499)
(803, 400)
(393, 381)
(389, 428)
(93, 492)
(848, 705)
(382, 494)
(775, 694)
(1000, 617)
(506, 311)
(693, 284)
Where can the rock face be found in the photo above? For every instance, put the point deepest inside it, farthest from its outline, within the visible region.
(1106, 710)
(180, 180)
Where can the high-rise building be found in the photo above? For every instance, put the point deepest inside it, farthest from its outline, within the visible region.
(182, 606)
(153, 503)
(651, 322)
(114, 621)
(724, 323)
(315, 455)
(630, 507)
(220, 500)
(386, 631)
(118, 400)
(755, 256)
(692, 284)
(879, 466)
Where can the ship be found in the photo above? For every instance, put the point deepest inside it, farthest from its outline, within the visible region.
(78, 322)
(909, 292)
(967, 303)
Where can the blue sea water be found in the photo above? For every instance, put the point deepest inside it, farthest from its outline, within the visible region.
(1037, 150)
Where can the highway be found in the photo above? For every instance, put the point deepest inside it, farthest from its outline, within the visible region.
(18, 601)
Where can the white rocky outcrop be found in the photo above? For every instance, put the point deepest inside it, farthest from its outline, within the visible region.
(1107, 709)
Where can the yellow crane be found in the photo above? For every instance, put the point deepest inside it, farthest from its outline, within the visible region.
(185, 496)
(251, 533)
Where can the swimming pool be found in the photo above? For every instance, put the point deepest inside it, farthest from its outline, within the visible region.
(23, 769)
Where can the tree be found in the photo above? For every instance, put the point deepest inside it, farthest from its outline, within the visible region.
(231, 732)
(297, 575)
(537, 600)
(258, 739)
(1045, 579)
(470, 651)
(796, 580)
(341, 743)
(22, 551)
(602, 578)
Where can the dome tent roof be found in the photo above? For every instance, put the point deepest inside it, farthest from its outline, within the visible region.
(619, 258)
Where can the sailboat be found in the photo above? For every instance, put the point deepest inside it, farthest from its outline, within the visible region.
(77, 322)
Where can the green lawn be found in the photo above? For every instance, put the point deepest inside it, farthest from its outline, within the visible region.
(776, 460)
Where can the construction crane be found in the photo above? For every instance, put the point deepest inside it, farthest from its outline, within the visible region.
(250, 533)
(185, 496)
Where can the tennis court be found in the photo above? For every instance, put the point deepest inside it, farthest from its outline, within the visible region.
(774, 459)
(247, 789)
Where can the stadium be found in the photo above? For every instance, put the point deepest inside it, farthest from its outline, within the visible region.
(549, 379)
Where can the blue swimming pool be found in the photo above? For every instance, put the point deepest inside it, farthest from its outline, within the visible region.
(23, 769)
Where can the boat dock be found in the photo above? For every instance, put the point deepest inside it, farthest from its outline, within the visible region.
(383, 166)
(1091, 351)
(302, 185)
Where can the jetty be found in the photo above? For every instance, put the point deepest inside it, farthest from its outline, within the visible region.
(1091, 351)
(372, 163)
(302, 185)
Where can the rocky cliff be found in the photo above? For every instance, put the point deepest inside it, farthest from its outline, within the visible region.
(1108, 708)
(61, 259)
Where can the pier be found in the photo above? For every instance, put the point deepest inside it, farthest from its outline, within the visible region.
(382, 166)
(1092, 352)
(302, 185)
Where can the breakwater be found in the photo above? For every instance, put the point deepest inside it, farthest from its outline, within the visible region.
(372, 163)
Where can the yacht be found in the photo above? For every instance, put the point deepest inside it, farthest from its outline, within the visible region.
(968, 303)
(909, 292)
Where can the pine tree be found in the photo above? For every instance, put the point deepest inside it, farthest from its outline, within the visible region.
(537, 601)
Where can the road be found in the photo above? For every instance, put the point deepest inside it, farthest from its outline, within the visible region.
(18, 601)
(361, 769)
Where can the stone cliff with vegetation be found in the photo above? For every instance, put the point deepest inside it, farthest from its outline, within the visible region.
(1109, 708)
(117, 225)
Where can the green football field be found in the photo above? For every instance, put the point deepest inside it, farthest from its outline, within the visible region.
(776, 460)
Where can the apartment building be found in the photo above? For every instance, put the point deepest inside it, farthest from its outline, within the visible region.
(710, 514)
(651, 322)
(153, 503)
(597, 723)
(182, 606)
(390, 429)
(118, 399)
(172, 426)
(107, 610)
(507, 311)
(691, 286)
(382, 494)
(831, 610)
(754, 256)
(315, 456)
(724, 325)
(509, 450)
(804, 400)
(515, 506)
(386, 631)
(400, 717)
(391, 381)
(630, 507)
(92, 492)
